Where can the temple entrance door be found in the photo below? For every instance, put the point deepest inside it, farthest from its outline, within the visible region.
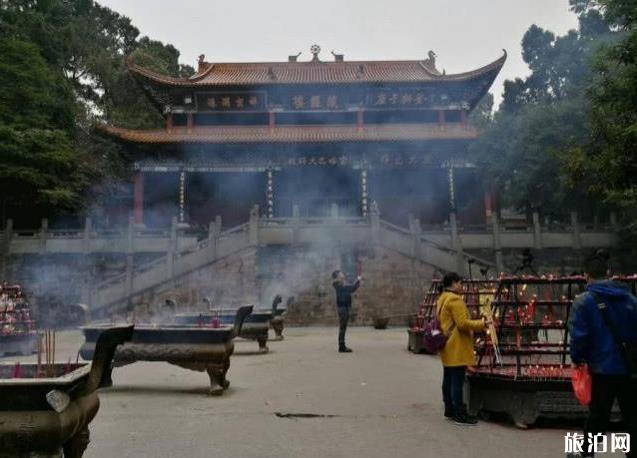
(421, 192)
(228, 194)
(315, 190)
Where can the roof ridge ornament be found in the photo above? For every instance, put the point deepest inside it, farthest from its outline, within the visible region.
(315, 50)
(201, 63)
(430, 62)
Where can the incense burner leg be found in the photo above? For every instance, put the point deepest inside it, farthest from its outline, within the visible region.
(76, 445)
(263, 347)
(277, 327)
(218, 381)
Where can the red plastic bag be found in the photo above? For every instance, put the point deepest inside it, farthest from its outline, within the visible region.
(582, 384)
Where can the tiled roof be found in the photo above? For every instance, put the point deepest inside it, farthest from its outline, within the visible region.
(295, 134)
(219, 74)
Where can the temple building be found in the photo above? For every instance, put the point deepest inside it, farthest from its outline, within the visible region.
(309, 137)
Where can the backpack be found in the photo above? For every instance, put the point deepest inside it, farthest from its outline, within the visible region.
(434, 340)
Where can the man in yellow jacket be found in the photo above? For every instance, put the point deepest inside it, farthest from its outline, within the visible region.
(457, 354)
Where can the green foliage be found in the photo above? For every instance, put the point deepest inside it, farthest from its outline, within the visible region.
(606, 164)
(62, 68)
(36, 97)
(541, 122)
(42, 164)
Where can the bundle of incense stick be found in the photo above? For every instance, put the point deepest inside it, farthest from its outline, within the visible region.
(39, 366)
(487, 311)
(49, 352)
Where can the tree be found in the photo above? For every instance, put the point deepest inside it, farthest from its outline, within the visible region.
(62, 64)
(605, 164)
(542, 116)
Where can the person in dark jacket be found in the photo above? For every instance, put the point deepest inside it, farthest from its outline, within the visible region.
(592, 343)
(343, 305)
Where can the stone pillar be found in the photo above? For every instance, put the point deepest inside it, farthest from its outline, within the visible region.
(577, 240)
(6, 249)
(452, 189)
(497, 243)
(269, 193)
(334, 211)
(182, 197)
(360, 119)
(174, 243)
(453, 227)
(295, 223)
(416, 231)
(375, 224)
(537, 231)
(138, 198)
(613, 221)
(44, 229)
(364, 206)
(85, 294)
(130, 257)
(253, 226)
(214, 230)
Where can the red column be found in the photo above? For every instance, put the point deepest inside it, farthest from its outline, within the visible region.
(189, 122)
(271, 119)
(138, 198)
(488, 204)
(463, 118)
(169, 122)
(360, 119)
(441, 118)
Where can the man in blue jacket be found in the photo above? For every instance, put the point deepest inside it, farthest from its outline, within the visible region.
(343, 305)
(592, 343)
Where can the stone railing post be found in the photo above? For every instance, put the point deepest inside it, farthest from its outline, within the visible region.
(44, 229)
(416, 231)
(456, 242)
(453, 227)
(174, 240)
(374, 218)
(334, 211)
(213, 233)
(253, 226)
(296, 222)
(577, 239)
(613, 221)
(497, 242)
(537, 231)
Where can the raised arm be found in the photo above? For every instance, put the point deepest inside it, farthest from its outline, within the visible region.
(353, 287)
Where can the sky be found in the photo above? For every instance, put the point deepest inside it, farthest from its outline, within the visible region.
(465, 34)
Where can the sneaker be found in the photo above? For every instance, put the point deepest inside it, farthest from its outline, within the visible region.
(344, 350)
(448, 412)
(464, 420)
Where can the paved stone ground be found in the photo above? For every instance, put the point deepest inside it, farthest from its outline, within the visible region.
(384, 400)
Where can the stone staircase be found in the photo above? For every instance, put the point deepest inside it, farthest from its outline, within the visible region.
(160, 274)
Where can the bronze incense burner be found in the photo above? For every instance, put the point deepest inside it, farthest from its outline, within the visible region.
(196, 348)
(48, 416)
